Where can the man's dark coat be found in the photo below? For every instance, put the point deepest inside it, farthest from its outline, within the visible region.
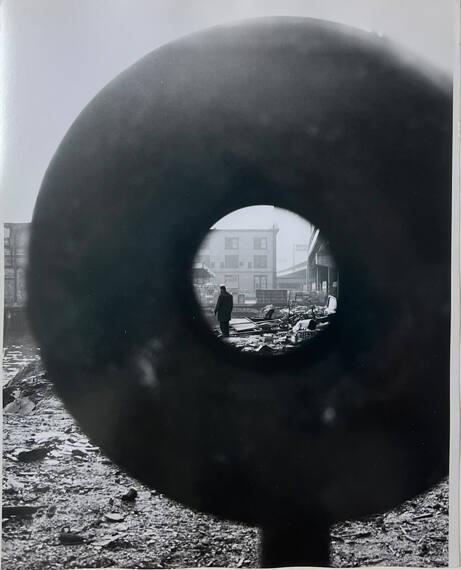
(224, 307)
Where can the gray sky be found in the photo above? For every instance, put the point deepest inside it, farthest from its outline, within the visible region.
(56, 55)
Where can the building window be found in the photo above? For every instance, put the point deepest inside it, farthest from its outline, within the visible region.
(260, 243)
(260, 281)
(260, 261)
(231, 243)
(250, 265)
(212, 265)
(231, 261)
(221, 265)
(231, 281)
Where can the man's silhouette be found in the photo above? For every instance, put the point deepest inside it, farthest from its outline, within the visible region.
(223, 310)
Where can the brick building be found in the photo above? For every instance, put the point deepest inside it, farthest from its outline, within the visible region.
(244, 260)
(16, 241)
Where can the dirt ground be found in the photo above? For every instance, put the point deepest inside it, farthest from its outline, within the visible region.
(66, 506)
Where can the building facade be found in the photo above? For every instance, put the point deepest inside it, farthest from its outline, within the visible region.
(319, 274)
(16, 242)
(243, 260)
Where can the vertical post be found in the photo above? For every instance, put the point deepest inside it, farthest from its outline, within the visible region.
(307, 261)
(274, 256)
(307, 271)
(311, 235)
(14, 263)
(294, 541)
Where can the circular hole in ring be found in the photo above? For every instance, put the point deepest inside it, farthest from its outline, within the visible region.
(266, 281)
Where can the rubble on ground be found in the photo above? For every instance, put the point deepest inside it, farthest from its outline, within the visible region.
(26, 389)
(74, 508)
(276, 331)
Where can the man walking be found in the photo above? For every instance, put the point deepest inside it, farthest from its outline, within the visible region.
(223, 310)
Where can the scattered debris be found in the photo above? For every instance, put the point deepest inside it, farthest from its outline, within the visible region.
(157, 532)
(423, 516)
(29, 382)
(69, 538)
(305, 325)
(48, 437)
(114, 517)
(36, 454)
(267, 312)
(130, 495)
(106, 541)
(12, 485)
(19, 511)
(19, 406)
(264, 349)
(243, 324)
(277, 330)
(79, 453)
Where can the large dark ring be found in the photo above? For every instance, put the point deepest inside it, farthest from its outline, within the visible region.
(313, 117)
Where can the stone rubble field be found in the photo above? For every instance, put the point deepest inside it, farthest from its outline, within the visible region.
(66, 506)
